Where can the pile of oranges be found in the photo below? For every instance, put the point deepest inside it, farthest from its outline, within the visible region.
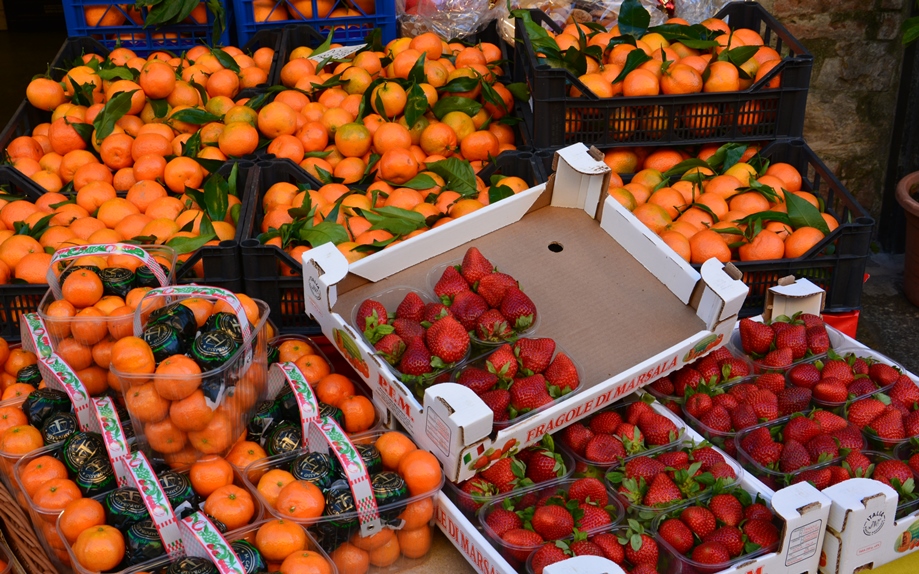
(738, 213)
(273, 11)
(14, 359)
(302, 501)
(100, 547)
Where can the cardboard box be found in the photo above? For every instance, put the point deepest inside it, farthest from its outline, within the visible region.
(627, 308)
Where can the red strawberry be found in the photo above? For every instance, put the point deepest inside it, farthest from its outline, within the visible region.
(449, 284)
(634, 411)
(765, 404)
(594, 518)
(757, 511)
(779, 326)
(435, 311)
(521, 543)
(793, 400)
(553, 522)
(717, 419)
(774, 382)
(818, 341)
(765, 453)
(662, 492)
(492, 326)
(800, 429)
(811, 320)
(686, 378)
(475, 265)
(416, 360)
(756, 437)
(857, 464)
(676, 459)
(390, 348)
(411, 308)
(829, 422)
(838, 474)
(518, 309)
(547, 554)
(849, 437)
(657, 428)
(709, 369)
(779, 358)
(478, 491)
(711, 553)
(502, 362)
(501, 520)
(676, 534)
(663, 386)
(534, 355)
(728, 401)
(408, 329)
(859, 366)
(492, 287)
(708, 456)
(501, 474)
(911, 424)
(794, 456)
(740, 392)
(610, 546)
(527, 394)
(889, 425)
(562, 373)
(831, 391)
(585, 548)
(721, 354)
(727, 509)
(755, 337)
(734, 368)
(629, 432)
(893, 473)
(603, 448)
(699, 519)
(589, 490)
(761, 532)
(605, 422)
(730, 536)
(447, 340)
(862, 386)
(645, 554)
(794, 338)
(743, 417)
(467, 307)
(498, 400)
(545, 465)
(479, 380)
(698, 404)
(883, 374)
(838, 369)
(804, 375)
(822, 447)
(370, 314)
(914, 462)
(576, 436)
(643, 467)
(905, 392)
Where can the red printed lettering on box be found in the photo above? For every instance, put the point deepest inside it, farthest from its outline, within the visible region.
(757, 571)
(465, 544)
(395, 398)
(647, 377)
(575, 413)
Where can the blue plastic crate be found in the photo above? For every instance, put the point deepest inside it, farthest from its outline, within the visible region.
(348, 29)
(121, 27)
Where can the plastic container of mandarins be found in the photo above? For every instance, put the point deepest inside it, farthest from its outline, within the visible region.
(231, 391)
(516, 554)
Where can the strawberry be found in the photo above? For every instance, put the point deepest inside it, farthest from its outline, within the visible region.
(779, 326)
(492, 287)
(416, 360)
(370, 314)
(765, 404)
(524, 540)
(545, 465)
(765, 453)
(757, 511)
(593, 517)
(905, 392)
(717, 419)
(589, 490)
(502, 474)
(818, 341)
(475, 265)
(478, 491)
(793, 400)
(610, 546)
(492, 326)
(756, 437)
(721, 354)
(498, 400)
(761, 532)
(914, 462)
(804, 375)
(548, 553)
(734, 368)
(562, 374)
(858, 465)
(893, 473)
(576, 436)
(411, 308)
(527, 394)
(698, 404)
(408, 329)
(662, 492)
(831, 390)
(479, 380)
(629, 432)
(794, 456)
(708, 456)
(663, 386)
(711, 553)
(794, 338)
(699, 519)
(676, 459)
(467, 307)
(829, 422)
(774, 382)
(645, 552)
(883, 374)
(708, 368)
(730, 536)
(585, 548)
(502, 362)
(800, 429)
(726, 508)
(889, 425)
(434, 312)
(837, 369)
(898, 407)
(449, 284)
(390, 348)
(729, 400)
(911, 424)
(811, 320)
(849, 437)
(518, 309)
(862, 386)
(634, 411)
(447, 340)
(534, 355)
(743, 417)
(822, 448)
(838, 474)
(676, 534)
(643, 467)
(500, 520)
(686, 378)
(859, 365)
(605, 422)
(603, 448)
(553, 522)
(779, 358)
(657, 428)
(755, 337)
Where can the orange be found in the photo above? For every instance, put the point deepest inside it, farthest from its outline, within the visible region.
(359, 413)
(393, 98)
(385, 555)
(201, 307)
(766, 246)
(671, 200)
(157, 79)
(655, 217)
(277, 539)
(55, 494)
(75, 353)
(216, 437)
(210, 473)
(80, 515)
(132, 355)
(276, 119)
(163, 436)
(177, 377)
(146, 404)
(678, 242)
(33, 268)
(94, 379)
(248, 305)
(350, 559)
(414, 543)
(11, 416)
(18, 359)
(100, 548)
(334, 389)
(301, 499)
(801, 241)
(707, 244)
(291, 350)
(231, 505)
(421, 472)
(39, 471)
(15, 248)
(245, 453)
(749, 202)
(271, 483)
(418, 513)
(88, 326)
(790, 176)
(191, 413)
(313, 367)
(353, 139)
(305, 562)
(16, 390)
(238, 139)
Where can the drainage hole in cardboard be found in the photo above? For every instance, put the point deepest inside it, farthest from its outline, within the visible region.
(555, 247)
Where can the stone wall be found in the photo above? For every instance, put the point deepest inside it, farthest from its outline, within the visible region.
(850, 109)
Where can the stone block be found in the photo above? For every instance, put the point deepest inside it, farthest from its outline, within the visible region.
(892, 5)
(890, 26)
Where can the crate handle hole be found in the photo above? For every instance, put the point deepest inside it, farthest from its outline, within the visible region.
(556, 247)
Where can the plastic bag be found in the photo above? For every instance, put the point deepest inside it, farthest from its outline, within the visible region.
(564, 12)
(450, 19)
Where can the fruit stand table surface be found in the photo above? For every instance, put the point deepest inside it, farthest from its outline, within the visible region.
(444, 557)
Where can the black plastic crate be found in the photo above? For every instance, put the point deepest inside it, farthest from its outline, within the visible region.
(687, 118)
(261, 263)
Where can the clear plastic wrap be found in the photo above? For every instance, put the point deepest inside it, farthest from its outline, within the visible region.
(450, 19)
